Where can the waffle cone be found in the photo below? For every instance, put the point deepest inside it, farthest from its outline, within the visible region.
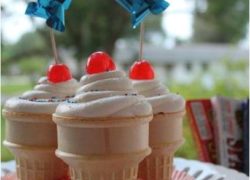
(104, 167)
(129, 173)
(165, 137)
(103, 148)
(32, 140)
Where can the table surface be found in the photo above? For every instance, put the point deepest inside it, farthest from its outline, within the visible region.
(198, 170)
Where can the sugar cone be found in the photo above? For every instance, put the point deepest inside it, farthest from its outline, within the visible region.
(103, 148)
(165, 137)
(32, 139)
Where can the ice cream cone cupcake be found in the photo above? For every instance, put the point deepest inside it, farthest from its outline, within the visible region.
(165, 130)
(103, 131)
(30, 132)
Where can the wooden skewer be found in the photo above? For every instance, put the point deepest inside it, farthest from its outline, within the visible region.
(53, 42)
(141, 41)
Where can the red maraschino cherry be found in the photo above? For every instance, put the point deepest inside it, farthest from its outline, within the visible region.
(58, 73)
(99, 62)
(141, 70)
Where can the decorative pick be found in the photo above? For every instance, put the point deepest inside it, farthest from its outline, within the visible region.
(139, 9)
(53, 43)
(141, 41)
(53, 12)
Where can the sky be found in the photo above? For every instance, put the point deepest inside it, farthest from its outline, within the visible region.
(177, 20)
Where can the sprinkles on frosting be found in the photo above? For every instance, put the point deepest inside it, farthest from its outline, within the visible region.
(52, 99)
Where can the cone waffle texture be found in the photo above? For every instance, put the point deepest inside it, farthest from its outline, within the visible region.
(157, 167)
(32, 139)
(165, 137)
(129, 173)
(39, 169)
(108, 149)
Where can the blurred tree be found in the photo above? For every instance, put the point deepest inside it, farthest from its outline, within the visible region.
(96, 25)
(223, 21)
(31, 44)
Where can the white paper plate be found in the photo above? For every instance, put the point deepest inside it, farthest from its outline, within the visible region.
(207, 171)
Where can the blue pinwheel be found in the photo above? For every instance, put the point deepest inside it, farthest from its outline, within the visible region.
(51, 10)
(139, 9)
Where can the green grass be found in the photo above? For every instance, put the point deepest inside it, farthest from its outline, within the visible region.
(188, 149)
(5, 153)
(14, 89)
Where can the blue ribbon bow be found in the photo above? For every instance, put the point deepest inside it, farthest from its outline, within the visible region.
(51, 10)
(139, 9)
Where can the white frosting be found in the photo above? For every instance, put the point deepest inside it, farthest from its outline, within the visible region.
(44, 98)
(159, 97)
(150, 88)
(108, 94)
(46, 89)
(22, 105)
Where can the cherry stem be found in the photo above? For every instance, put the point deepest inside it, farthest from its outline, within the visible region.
(141, 41)
(53, 42)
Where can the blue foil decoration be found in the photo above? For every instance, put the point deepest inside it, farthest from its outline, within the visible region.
(51, 10)
(139, 9)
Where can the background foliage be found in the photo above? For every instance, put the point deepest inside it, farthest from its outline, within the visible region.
(223, 21)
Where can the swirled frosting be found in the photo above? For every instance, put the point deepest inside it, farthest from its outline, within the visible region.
(46, 89)
(159, 97)
(44, 98)
(108, 94)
